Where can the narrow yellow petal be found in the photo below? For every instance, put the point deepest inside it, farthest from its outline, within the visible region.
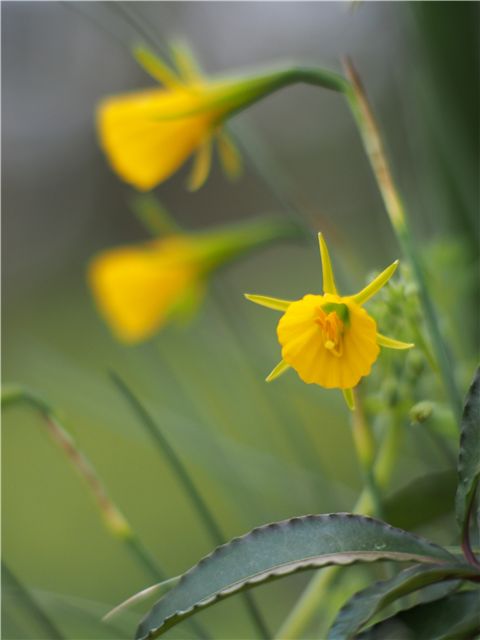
(391, 343)
(327, 271)
(281, 367)
(155, 67)
(371, 289)
(201, 165)
(185, 62)
(349, 398)
(271, 303)
(230, 157)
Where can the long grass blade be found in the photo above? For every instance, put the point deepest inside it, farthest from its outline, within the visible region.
(187, 482)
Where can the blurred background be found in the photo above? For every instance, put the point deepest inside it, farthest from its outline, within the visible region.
(258, 452)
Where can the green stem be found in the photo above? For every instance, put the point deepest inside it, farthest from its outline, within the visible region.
(188, 484)
(374, 148)
(23, 596)
(307, 606)
(112, 517)
(365, 448)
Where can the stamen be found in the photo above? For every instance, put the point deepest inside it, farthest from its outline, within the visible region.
(332, 329)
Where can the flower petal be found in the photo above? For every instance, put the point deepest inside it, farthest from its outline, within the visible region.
(136, 288)
(371, 289)
(185, 62)
(201, 166)
(349, 398)
(303, 343)
(155, 67)
(391, 343)
(142, 148)
(271, 303)
(230, 157)
(281, 367)
(327, 271)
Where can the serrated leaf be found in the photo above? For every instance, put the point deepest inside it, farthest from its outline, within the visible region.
(364, 605)
(469, 455)
(422, 500)
(453, 618)
(282, 548)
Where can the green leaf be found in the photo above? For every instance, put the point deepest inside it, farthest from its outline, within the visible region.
(421, 501)
(469, 455)
(364, 605)
(452, 618)
(275, 550)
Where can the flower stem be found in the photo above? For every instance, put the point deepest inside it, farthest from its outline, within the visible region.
(372, 140)
(365, 448)
(112, 517)
(374, 148)
(23, 596)
(318, 587)
(188, 484)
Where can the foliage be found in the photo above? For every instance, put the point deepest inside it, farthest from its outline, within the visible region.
(405, 407)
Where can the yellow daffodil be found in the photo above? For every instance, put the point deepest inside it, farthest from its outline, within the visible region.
(147, 135)
(329, 339)
(141, 287)
(136, 288)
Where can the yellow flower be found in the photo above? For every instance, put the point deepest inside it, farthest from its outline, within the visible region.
(139, 288)
(147, 135)
(329, 339)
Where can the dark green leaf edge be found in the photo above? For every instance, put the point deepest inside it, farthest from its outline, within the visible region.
(469, 454)
(431, 620)
(366, 603)
(150, 627)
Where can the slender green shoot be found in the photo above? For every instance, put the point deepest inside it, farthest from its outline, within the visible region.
(188, 484)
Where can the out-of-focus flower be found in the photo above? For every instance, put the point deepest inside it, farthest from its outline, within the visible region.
(329, 339)
(147, 135)
(139, 288)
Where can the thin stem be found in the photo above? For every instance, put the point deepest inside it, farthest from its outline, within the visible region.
(23, 596)
(188, 484)
(112, 517)
(307, 606)
(365, 447)
(374, 148)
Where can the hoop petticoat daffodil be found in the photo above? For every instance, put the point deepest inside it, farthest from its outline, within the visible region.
(147, 135)
(139, 288)
(329, 339)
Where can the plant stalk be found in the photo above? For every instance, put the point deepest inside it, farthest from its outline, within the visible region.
(374, 147)
(365, 448)
(307, 606)
(188, 484)
(112, 517)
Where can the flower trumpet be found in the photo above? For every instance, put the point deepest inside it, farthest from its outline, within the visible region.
(147, 135)
(329, 339)
(139, 288)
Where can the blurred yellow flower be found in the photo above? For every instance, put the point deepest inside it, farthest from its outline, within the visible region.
(147, 135)
(329, 339)
(136, 288)
(139, 288)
